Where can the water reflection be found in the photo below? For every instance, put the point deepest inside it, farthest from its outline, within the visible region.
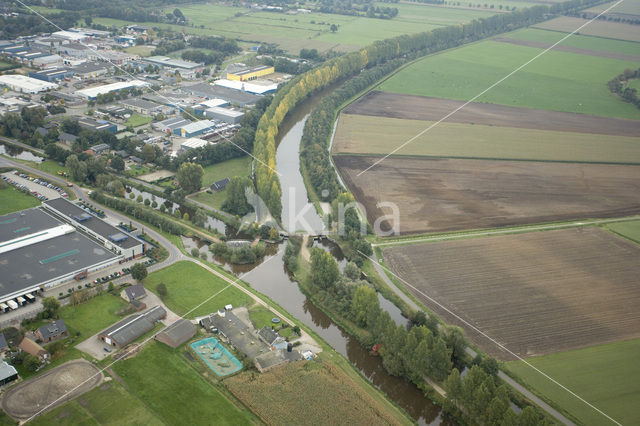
(19, 153)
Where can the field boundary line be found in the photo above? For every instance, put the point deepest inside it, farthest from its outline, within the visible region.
(488, 88)
(476, 329)
(507, 231)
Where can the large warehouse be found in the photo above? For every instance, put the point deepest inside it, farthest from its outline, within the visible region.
(93, 92)
(24, 84)
(39, 250)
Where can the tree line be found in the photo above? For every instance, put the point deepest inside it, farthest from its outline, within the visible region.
(620, 86)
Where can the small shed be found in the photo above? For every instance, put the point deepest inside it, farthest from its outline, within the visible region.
(177, 333)
(220, 184)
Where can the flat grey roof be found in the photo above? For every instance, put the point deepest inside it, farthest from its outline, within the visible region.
(25, 222)
(130, 328)
(97, 225)
(207, 90)
(27, 267)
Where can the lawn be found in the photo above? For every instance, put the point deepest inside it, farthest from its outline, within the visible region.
(137, 120)
(379, 135)
(94, 315)
(174, 391)
(14, 200)
(605, 376)
(630, 230)
(557, 81)
(189, 285)
(134, 171)
(230, 168)
(580, 41)
(52, 167)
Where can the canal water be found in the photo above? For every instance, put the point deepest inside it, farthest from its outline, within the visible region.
(19, 153)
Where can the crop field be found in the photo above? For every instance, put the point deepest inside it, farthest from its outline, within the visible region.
(558, 81)
(597, 44)
(454, 194)
(358, 134)
(188, 285)
(535, 293)
(626, 8)
(606, 376)
(327, 394)
(597, 28)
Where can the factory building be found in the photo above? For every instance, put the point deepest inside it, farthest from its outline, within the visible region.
(111, 237)
(52, 74)
(210, 91)
(167, 62)
(96, 125)
(171, 125)
(197, 128)
(224, 114)
(93, 92)
(256, 87)
(24, 84)
(248, 74)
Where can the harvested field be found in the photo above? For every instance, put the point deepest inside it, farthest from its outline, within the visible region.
(535, 293)
(307, 393)
(570, 49)
(358, 134)
(454, 194)
(596, 28)
(54, 387)
(415, 107)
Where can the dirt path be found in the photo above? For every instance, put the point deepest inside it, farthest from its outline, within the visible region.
(304, 250)
(568, 49)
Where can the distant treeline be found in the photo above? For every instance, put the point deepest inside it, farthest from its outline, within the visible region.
(27, 24)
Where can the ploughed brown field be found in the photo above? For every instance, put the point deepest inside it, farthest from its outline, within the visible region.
(454, 194)
(415, 107)
(535, 293)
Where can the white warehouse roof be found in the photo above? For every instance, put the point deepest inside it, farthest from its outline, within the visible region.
(92, 92)
(198, 125)
(25, 84)
(226, 112)
(217, 102)
(193, 143)
(246, 86)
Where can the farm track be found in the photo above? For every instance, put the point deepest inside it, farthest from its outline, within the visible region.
(414, 107)
(535, 293)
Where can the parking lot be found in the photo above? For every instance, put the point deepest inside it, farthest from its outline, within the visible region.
(37, 187)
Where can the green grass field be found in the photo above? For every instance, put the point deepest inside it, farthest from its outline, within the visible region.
(5, 66)
(294, 32)
(231, 168)
(134, 171)
(189, 285)
(635, 84)
(137, 120)
(556, 81)
(94, 315)
(359, 134)
(108, 404)
(630, 230)
(174, 391)
(140, 50)
(14, 200)
(580, 41)
(605, 376)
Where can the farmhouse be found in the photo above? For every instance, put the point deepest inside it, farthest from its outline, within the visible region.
(177, 333)
(129, 329)
(272, 338)
(135, 292)
(32, 348)
(272, 359)
(52, 331)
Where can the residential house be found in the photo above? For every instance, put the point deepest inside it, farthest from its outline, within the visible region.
(52, 331)
(134, 292)
(29, 346)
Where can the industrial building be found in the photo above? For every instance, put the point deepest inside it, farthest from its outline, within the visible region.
(129, 329)
(91, 69)
(93, 92)
(197, 128)
(143, 107)
(248, 74)
(111, 237)
(192, 143)
(47, 61)
(170, 125)
(24, 84)
(258, 88)
(224, 114)
(167, 62)
(210, 91)
(52, 74)
(96, 125)
(39, 251)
